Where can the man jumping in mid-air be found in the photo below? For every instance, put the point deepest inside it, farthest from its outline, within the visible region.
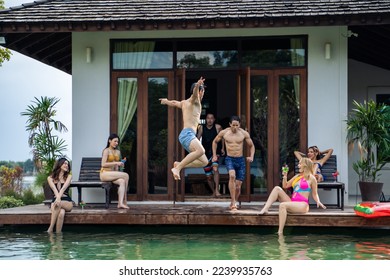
(192, 109)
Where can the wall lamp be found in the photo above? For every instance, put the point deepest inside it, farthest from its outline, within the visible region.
(2, 40)
(88, 54)
(328, 50)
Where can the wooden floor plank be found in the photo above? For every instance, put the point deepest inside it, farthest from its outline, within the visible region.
(197, 214)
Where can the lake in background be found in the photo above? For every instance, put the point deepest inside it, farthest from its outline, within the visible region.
(28, 181)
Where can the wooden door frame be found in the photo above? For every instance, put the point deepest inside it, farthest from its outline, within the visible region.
(143, 128)
(273, 116)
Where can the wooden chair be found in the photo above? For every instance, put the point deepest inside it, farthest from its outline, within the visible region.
(90, 178)
(329, 182)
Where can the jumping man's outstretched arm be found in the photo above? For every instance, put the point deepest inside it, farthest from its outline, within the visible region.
(172, 103)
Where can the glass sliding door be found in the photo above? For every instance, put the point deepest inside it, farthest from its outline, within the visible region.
(276, 105)
(157, 136)
(142, 124)
(124, 121)
(259, 133)
(289, 102)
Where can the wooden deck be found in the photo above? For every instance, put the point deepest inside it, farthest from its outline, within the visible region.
(189, 213)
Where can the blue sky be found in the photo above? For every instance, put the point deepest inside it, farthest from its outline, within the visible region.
(22, 79)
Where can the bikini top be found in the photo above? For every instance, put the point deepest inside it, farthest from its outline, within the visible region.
(113, 157)
(300, 185)
(319, 171)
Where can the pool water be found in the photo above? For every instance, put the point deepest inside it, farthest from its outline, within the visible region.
(193, 243)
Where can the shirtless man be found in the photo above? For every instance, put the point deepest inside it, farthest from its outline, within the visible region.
(234, 137)
(192, 109)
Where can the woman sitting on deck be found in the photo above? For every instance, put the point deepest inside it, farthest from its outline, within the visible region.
(302, 183)
(59, 181)
(111, 161)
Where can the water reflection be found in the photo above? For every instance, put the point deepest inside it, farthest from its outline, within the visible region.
(56, 248)
(131, 243)
(381, 251)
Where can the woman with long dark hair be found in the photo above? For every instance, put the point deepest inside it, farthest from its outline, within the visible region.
(59, 181)
(318, 158)
(111, 162)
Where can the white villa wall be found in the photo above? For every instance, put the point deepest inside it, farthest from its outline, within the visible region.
(327, 89)
(364, 81)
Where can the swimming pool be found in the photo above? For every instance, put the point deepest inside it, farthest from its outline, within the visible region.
(192, 243)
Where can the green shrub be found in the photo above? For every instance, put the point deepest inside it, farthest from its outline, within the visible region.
(9, 202)
(29, 197)
(13, 193)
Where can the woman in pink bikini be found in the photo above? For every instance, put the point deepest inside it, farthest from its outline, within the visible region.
(302, 184)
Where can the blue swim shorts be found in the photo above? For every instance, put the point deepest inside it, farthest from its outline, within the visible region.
(208, 169)
(237, 164)
(185, 138)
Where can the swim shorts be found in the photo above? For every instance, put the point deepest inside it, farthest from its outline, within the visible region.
(208, 169)
(185, 138)
(237, 164)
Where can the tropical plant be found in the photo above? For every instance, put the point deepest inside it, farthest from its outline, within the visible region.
(5, 54)
(369, 127)
(11, 179)
(41, 125)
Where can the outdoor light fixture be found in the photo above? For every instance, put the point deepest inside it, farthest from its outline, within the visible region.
(88, 54)
(2, 40)
(327, 50)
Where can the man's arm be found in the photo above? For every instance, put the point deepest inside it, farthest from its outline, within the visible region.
(217, 138)
(251, 146)
(200, 131)
(219, 129)
(172, 103)
(195, 92)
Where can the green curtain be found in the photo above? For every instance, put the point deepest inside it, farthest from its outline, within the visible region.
(127, 103)
(130, 55)
(296, 45)
(133, 55)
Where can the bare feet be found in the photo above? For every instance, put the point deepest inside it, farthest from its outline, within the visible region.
(175, 171)
(123, 206)
(263, 211)
(233, 207)
(217, 194)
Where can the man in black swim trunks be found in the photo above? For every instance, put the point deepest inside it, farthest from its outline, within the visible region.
(207, 133)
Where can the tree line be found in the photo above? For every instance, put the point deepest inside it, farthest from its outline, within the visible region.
(27, 166)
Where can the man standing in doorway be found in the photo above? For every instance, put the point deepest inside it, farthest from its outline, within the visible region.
(235, 161)
(191, 109)
(207, 132)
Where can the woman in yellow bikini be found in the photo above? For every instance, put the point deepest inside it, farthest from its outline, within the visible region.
(111, 162)
(302, 183)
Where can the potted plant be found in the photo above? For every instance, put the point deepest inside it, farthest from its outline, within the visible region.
(46, 146)
(368, 126)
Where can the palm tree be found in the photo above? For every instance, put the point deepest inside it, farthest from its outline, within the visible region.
(46, 146)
